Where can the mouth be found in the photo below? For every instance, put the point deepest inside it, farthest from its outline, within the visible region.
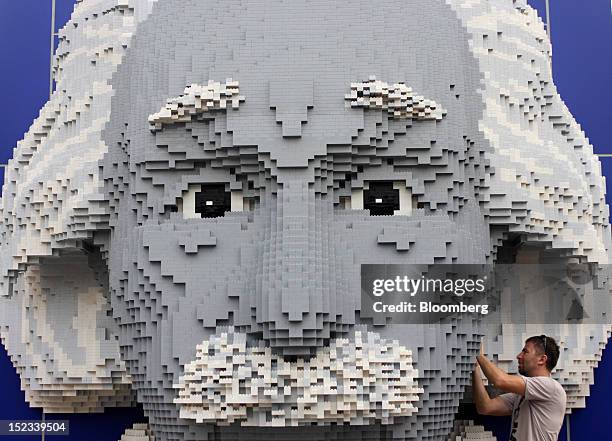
(359, 381)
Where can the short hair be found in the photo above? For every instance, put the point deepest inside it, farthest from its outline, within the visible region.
(548, 346)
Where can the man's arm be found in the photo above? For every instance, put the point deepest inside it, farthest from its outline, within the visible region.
(502, 380)
(484, 404)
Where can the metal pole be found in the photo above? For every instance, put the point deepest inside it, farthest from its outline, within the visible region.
(548, 20)
(52, 48)
(567, 428)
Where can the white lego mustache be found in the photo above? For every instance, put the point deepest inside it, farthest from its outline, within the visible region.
(359, 381)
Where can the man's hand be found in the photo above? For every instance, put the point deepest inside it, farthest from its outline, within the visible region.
(484, 404)
(498, 377)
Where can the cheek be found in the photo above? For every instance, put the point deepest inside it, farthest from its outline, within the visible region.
(184, 278)
(196, 259)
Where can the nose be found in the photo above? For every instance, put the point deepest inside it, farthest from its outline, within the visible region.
(298, 307)
(294, 242)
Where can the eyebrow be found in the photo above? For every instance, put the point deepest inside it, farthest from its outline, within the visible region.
(397, 99)
(195, 100)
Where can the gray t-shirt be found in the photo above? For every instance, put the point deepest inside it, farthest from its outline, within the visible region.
(538, 416)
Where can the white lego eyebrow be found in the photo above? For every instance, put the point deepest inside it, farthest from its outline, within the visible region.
(397, 99)
(196, 100)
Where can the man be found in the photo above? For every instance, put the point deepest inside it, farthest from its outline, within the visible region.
(534, 399)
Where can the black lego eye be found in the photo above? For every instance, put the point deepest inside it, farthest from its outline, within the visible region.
(212, 200)
(381, 198)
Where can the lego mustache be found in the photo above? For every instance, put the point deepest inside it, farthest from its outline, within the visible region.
(359, 381)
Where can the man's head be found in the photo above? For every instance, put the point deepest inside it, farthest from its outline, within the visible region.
(540, 354)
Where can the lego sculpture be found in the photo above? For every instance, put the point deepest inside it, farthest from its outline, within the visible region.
(184, 224)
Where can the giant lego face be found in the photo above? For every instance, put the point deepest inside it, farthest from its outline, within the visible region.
(224, 222)
(251, 210)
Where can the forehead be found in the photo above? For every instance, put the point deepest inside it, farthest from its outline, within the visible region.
(304, 39)
(295, 64)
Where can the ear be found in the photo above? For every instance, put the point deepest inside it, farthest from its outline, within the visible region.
(54, 320)
(546, 189)
(57, 328)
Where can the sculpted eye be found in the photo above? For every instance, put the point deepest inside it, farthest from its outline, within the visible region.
(382, 198)
(210, 200)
